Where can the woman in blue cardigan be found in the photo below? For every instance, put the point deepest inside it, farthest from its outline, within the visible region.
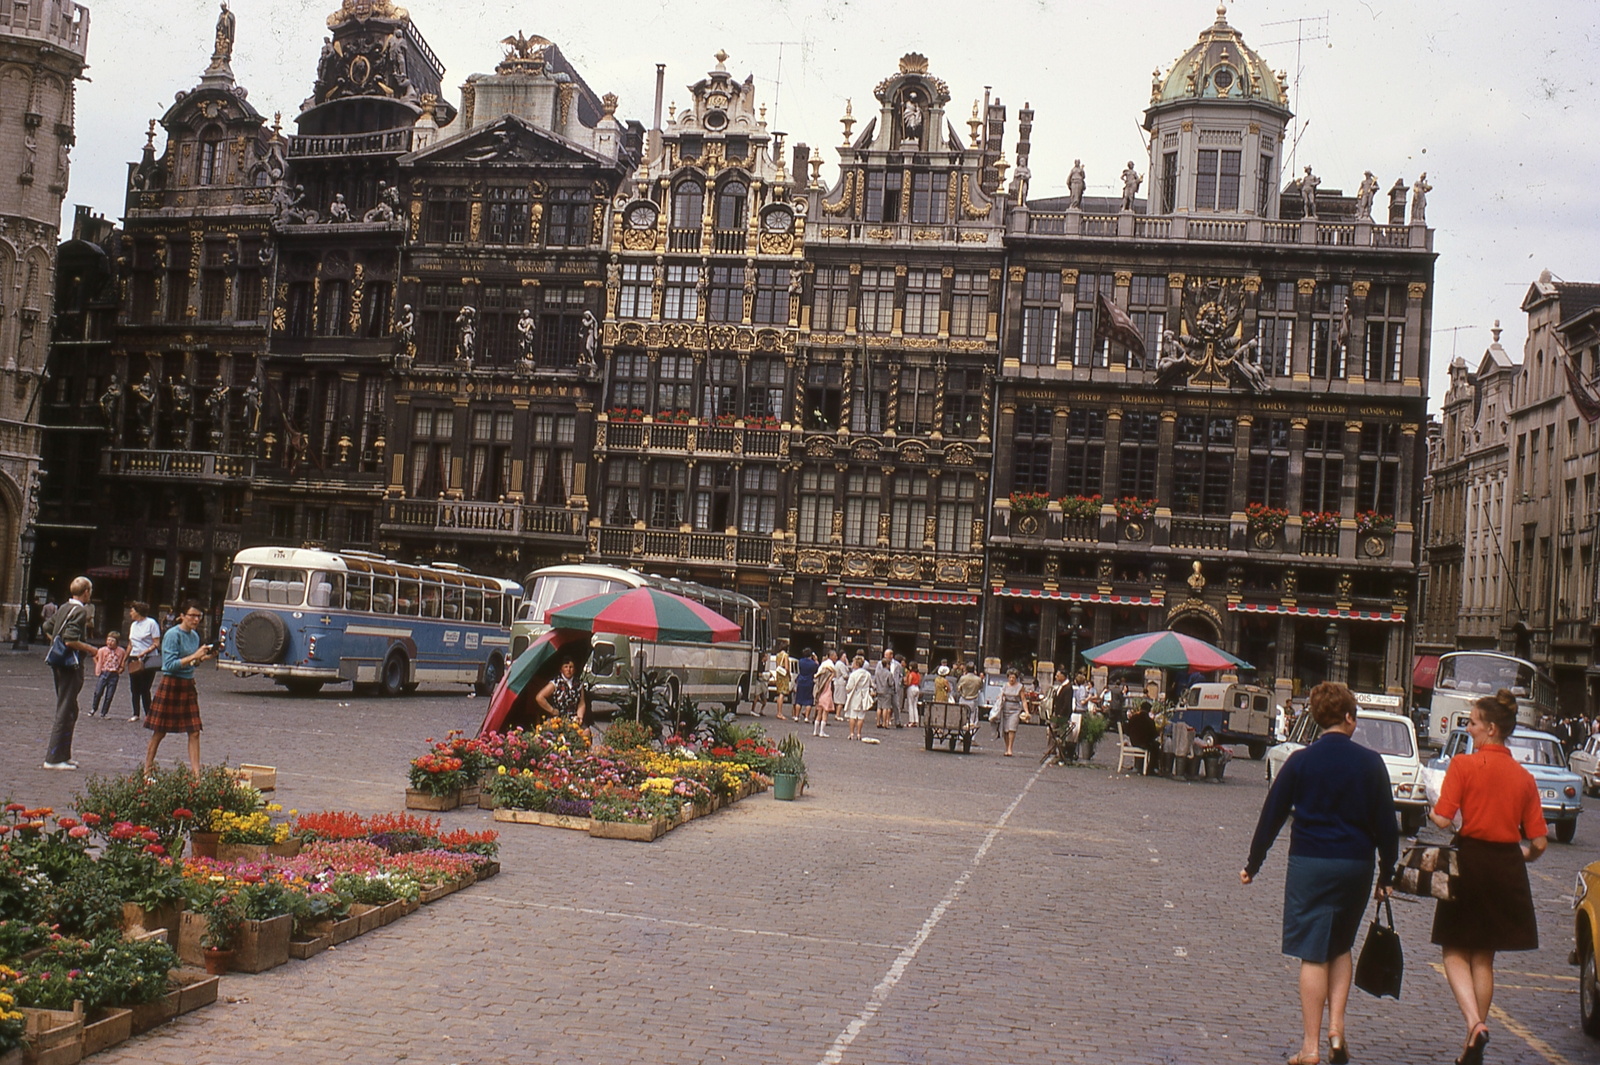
(1343, 812)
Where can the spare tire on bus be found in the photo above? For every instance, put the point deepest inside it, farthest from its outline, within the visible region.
(260, 637)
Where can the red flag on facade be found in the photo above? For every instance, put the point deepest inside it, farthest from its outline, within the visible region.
(1113, 322)
(1588, 405)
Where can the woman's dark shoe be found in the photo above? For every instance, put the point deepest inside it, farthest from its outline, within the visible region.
(1338, 1050)
(1473, 1055)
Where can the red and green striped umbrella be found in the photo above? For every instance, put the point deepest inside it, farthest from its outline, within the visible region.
(648, 613)
(1163, 650)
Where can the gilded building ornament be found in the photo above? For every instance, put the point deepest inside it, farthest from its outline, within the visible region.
(1018, 274)
(475, 221)
(1417, 289)
(971, 237)
(1306, 286)
(1123, 278)
(1252, 283)
(833, 231)
(968, 209)
(1176, 280)
(1359, 289)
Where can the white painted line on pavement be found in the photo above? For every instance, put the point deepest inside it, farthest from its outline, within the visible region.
(880, 994)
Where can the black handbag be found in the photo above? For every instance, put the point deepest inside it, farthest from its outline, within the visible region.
(1382, 962)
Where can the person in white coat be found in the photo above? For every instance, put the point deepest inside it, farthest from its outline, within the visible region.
(858, 697)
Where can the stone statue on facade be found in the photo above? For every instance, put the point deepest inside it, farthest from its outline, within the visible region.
(182, 397)
(1366, 193)
(1308, 193)
(1130, 186)
(217, 413)
(405, 340)
(1076, 183)
(911, 118)
(222, 55)
(337, 210)
(527, 339)
(466, 337)
(394, 54)
(1209, 353)
(1419, 199)
(327, 69)
(252, 409)
(388, 204)
(588, 358)
(1196, 582)
(286, 208)
(111, 409)
(144, 408)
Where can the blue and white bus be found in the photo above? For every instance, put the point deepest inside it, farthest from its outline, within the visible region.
(307, 618)
(1466, 676)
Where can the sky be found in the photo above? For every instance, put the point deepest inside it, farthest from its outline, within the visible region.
(1490, 99)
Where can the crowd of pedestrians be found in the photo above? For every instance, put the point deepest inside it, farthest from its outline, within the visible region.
(148, 656)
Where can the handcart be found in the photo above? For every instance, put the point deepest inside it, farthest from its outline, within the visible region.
(949, 723)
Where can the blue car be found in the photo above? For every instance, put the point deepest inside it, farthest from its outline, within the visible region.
(1560, 789)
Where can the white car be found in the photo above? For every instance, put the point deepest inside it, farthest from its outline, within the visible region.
(1585, 762)
(1393, 736)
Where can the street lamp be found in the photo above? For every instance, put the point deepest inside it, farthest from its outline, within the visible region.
(1074, 629)
(25, 545)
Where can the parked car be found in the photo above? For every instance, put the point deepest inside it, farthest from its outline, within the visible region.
(1586, 941)
(1560, 789)
(1393, 736)
(1585, 761)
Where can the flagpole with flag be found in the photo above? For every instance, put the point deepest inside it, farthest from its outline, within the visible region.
(1112, 322)
(1587, 404)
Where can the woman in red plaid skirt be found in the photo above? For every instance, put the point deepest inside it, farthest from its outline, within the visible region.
(175, 706)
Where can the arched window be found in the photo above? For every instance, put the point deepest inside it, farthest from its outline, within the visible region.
(731, 206)
(688, 205)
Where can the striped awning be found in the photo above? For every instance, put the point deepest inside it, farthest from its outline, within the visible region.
(1395, 616)
(1080, 597)
(907, 595)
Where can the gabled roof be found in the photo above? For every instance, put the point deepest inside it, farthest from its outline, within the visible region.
(508, 139)
(1573, 297)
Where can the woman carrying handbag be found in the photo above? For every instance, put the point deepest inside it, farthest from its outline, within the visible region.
(1491, 904)
(144, 656)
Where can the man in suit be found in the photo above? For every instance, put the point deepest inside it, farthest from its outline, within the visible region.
(888, 681)
(70, 623)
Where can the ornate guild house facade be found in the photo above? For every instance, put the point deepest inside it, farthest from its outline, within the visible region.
(905, 406)
(1211, 400)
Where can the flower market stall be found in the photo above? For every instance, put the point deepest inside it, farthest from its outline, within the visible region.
(107, 930)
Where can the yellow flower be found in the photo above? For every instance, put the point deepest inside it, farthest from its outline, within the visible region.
(500, 769)
(294, 813)
(216, 878)
(274, 808)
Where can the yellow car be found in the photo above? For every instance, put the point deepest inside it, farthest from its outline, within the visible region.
(1586, 932)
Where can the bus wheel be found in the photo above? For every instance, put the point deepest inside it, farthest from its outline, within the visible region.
(492, 672)
(301, 687)
(392, 677)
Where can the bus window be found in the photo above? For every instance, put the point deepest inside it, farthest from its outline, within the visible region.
(452, 602)
(276, 585)
(236, 584)
(491, 608)
(358, 592)
(327, 589)
(430, 599)
(409, 599)
(474, 609)
(383, 595)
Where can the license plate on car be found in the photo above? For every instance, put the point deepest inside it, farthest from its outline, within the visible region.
(1549, 793)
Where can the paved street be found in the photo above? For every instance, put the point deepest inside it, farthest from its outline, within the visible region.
(913, 907)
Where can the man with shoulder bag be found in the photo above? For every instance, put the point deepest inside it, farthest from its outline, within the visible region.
(68, 630)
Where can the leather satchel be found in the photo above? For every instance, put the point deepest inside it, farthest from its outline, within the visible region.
(1383, 961)
(59, 653)
(1428, 871)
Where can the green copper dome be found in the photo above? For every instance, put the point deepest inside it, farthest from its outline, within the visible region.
(1220, 67)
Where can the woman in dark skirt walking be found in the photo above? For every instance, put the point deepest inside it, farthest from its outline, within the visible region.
(1343, 811)
(176, 707)
(1498, 801)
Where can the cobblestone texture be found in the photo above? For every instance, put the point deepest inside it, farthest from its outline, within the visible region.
(1104, 923)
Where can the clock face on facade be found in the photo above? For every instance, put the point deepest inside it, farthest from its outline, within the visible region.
(641, 216)
(778, 221)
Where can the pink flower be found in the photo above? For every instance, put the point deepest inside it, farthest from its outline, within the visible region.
(182, 815)
(91, 820)
(156, 849)
(150, 836)
(67, 822)
(77, 831)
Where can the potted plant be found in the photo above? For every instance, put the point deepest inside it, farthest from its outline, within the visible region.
(1320, 521)
(1028, 502)
(1084, 506)
(788, 778)
(436, 782)
(224, 914)
(1264, 523)
(1370, 521)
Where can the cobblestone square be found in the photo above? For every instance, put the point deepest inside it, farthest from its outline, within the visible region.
(912, 907)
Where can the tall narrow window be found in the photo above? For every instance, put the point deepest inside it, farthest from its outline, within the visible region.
(863, 502)
(1205, 180)
(688, 207)
(214, 282)
(726, 302)
(869, 398)
(732, 218)
(758, 500)
(1379, 473)
(681, 301)
(508, 215)
(877, 300)
(1202, 465)
(830, 299)
(823, 397)
(1141, 453)
(1087, 349)
(674, 385)
(209, 171)
(772, 296)
(1329, 340)
(623, 477)
(720, 396)
(1269, 462)
(1169, 182)
(1324, 467)
(816, 506)
(1147, 306)
(1085, 458)
(914, 413)
(969, 307)
(1265, 179)
(963, 403)
(766, 391)
(1041, 311)
(1275, 320)
(635, 299)
(561, 325)
(1030, 471)
(930, 197)
(1228, 182)
(922, 302)
(1386, 331)
(958, 497)
(908, 510)
(567, 218)
(668, 484)
(630, 381)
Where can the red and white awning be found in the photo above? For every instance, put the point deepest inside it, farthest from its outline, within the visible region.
(1079, 597)
(1395, 616)
(906, 595)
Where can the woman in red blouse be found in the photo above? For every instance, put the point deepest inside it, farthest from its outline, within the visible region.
(1493, 906)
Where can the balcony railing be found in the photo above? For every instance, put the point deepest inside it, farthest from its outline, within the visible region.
(185, 465)
(1081, 530)
(684, 239)
(1323, 543)
(678, 546)
(386, 141)
(492, 519)
(1360, 234)
(728, 240)
(722, 440)
(61, 23)
(1201, 534)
